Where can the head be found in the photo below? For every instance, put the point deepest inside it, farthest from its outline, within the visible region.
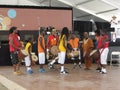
(97, 35)
(42, 31)
(114, 17)
(73, 36)
(65, 31)
(53, 31)
(86, 35)
(30, 39)
(13, 30)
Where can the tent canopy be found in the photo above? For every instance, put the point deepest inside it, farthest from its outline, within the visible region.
(85, 10)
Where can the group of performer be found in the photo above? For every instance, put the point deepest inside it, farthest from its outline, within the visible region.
(62, 45)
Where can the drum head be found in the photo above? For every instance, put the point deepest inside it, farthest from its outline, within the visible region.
(24, 52)
(34, 58)
(54, 50)
(94, 51)
(75, 53)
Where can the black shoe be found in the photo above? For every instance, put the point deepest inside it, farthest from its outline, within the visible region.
(64, 72)
(50, 66)
(98, 69)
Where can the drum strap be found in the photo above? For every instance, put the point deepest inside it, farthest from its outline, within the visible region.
(102, 51)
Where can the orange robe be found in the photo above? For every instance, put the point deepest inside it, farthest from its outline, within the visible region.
(87, 48)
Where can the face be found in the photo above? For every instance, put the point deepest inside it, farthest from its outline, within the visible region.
(85, 35)
(15, 31)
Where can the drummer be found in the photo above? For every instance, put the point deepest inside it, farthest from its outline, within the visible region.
(87, 47)
(52, 41)
(103, 48)
(28, 59)
(14, 44)
(74, 42)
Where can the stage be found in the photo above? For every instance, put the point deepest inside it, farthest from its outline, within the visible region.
(77, 79)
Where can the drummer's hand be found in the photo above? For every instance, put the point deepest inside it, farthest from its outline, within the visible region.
(21, 48)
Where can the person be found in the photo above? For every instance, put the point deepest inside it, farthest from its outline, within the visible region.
(14, 47)
(103, 48)
(28, 59)
(98, 39)
(87, 47)
(52, 41)
(62, 46)
(74, 43)
(41, 51)
(114, 24)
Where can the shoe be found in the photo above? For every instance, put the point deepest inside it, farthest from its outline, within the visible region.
(20, 72)
(42, 70)
(50, 66)
(74, 66)
(80, 66)
(29, 71)
(98, 69)
(103, 71)
(64, 72)
(16, 73)
(87, 68)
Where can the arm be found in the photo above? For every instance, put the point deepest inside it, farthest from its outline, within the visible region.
(41, 43)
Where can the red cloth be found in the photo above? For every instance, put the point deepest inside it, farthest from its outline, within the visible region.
(15, 42)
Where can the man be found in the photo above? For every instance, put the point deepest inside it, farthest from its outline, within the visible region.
(52, 41)
(41, 51)
(74, 43)
(28, 59)
(103, 47)
(62, 46)
(14, 47)
(87, 48)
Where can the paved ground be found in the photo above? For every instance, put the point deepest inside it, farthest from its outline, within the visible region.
(3, 87)
(77, 79)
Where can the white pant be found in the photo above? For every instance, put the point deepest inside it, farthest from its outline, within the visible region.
(41, 58)
(103, 56)
(27, 61)
(61, 57)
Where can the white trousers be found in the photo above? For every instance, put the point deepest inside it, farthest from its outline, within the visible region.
(103, 56)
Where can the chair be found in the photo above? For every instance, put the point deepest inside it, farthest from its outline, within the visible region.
(115, 56)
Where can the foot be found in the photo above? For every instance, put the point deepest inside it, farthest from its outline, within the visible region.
(80, 66)
(42, 70)
(50, 66)
(16, 73)
(98, 69)
(87, 68)
(63, 72)
(29, 71)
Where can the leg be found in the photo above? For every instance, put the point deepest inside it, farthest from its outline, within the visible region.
(42, 62)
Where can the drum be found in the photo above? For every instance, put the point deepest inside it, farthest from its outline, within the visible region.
(34, 57)
(54, 50)
(22, 54)
(95, 54)
(71, 54)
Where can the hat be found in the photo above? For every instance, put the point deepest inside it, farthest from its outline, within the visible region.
(114, 16)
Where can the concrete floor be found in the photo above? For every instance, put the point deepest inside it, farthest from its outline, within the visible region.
(2, 87)
(77, 79)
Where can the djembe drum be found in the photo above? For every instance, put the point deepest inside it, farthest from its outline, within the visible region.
(95, 54)
(22, 54)
(72, 54)
(34, 57)
(54, 50)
